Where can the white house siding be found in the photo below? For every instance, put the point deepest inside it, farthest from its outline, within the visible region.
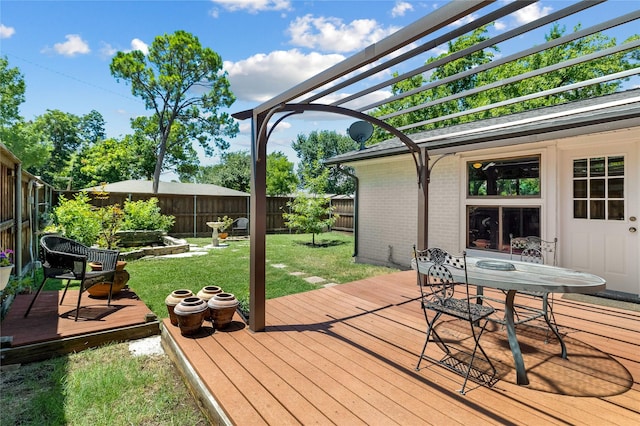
(388, 194)
(444, 204)
(388, 208)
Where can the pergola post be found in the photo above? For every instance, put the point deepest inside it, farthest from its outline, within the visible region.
(423, 200)
(258, 223)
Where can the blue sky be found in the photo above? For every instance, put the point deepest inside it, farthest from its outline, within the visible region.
(64, 48)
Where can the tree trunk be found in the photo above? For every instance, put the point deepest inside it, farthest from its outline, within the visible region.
(161, 151)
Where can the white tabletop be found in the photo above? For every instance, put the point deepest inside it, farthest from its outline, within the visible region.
(523, 276)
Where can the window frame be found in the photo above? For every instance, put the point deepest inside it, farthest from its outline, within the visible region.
(606, 178)
(500, 202)
(469, 162)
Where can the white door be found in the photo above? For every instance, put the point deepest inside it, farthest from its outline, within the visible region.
(599, 217)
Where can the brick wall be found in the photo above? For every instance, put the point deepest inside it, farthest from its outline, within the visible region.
(388, 209)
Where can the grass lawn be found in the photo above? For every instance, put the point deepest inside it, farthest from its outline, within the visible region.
(108, 385)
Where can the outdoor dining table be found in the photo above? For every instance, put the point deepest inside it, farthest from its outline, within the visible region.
(513, 276)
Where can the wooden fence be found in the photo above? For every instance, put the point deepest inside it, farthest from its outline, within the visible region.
(192, 212)
(24, 199)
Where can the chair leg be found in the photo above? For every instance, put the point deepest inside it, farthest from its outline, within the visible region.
(44, 280)
(476, 339)
(110, 292)
(430, 331)
(64, 293)
(79, 298)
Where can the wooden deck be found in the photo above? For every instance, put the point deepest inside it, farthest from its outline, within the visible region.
(346, 355)
(50, 329)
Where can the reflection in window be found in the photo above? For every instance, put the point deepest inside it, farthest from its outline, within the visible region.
(514, 177)
(598, 188)
(489, 227)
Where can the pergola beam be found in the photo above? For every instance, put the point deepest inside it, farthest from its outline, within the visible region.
(360, 73)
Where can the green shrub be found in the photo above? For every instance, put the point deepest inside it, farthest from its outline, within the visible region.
(77, 219)
(145, 216)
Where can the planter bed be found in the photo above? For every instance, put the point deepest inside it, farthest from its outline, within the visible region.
(171, 246)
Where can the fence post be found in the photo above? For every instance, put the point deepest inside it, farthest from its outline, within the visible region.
(17, 223)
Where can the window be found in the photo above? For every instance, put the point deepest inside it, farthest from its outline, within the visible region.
(489, 226)
(598, 188)
(510, 184)
(514, 177)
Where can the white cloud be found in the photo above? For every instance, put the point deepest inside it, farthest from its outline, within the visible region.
(252, 6)
(6, 32)
(400, 8)
(72, 47)
(462, 21)
(263, 76)
(332, 34)
(531, 13)
(137, 44)
(107, 50)
(500, 25)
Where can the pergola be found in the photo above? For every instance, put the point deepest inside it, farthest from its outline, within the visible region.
(408, 48)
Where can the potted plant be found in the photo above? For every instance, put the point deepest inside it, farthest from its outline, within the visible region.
(6, 265)
(226, 223)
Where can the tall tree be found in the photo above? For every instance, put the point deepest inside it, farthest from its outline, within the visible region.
(171, 80)
(574, 74)
(63, 131)
(106, 161)
(281, 180)
(446, 70)
(313, 149)
(27, 143)
(92, 127)
(180, 154)
(234, 171)
(22, 138)
(12, 88)
(569, 75)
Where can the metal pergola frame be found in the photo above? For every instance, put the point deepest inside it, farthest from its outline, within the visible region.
(380, 57)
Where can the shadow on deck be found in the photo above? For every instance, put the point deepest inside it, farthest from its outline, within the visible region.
(347, 355)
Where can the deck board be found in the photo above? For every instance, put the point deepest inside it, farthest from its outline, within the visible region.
(346, 355)
(51, 329)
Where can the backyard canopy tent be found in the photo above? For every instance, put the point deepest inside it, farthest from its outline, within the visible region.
(408, 46)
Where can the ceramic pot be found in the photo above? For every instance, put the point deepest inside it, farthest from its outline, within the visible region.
(190, 313)
(119, 281)
(222, 307)
(5, 274)
(97, 266)
(207, 293)
(173, 299)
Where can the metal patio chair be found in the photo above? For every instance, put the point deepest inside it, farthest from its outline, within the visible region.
(66, 259)
(240, 224)
(437, 289)
(536, 250)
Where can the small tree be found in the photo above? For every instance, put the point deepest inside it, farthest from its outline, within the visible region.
(110, 219)
(311, 211)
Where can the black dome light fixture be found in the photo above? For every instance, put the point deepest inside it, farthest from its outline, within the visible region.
(361, 131)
